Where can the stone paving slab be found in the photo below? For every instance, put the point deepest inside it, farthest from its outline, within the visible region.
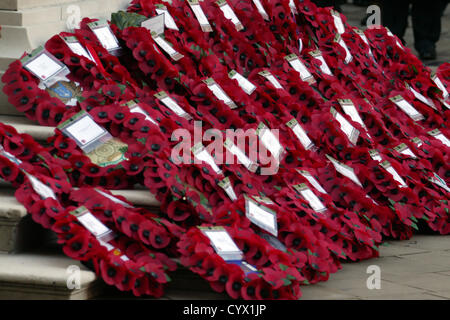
(390, 249)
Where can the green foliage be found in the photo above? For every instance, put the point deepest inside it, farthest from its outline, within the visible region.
(124, 19)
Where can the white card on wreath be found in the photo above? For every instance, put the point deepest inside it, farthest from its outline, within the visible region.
(40, 188)
(300, 133)
(345, 170)
(169, 22)
(85, 130)
(310, 197)
(246, 85)
(262, 216)
(266, 74)
(202, 154)
(312, 180)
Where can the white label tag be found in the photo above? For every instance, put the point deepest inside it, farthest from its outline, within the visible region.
(440, 182)
(40, 188)
(169, 22)
(298, 66)
(389, 168)
(90, 222)
(155, 24)
(114, 199)
(226, 186)
(407, 108)
(270, 141)
(440, 85)
(440, 136)
(350, 110)
(230, 15)
(312, 180)
(445, 103)
(351, 132)
(300, 133)
(9, 156)
(246, 85)
(261, 9)
(202, 154)
(106, 38)
(348, 55)
(44, 67)
(173, 105)
(417, 142)
(375, 155)
(422, 98)
(241, 156)
(310, 196)
(138, 109)
(396, 41)
(345, 170)
(338, 22)
(266, 74)
(221, 241)
(200, 15)
(362, 35)
(163, 44)
(293, 8)
(324, 66)
(261, 216)
(85, 131)
(219, 93)
(408, 152)
(403, 149)
(443, 139)
(78, 49)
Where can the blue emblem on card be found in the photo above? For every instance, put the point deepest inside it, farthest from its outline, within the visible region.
(62, 91)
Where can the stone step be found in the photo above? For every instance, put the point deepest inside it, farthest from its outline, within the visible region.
(16, 40)
(104, 5)
(11, 214)
(18, 232)
(25, 125)
(29, 17)
(46, 276)
(56, 13)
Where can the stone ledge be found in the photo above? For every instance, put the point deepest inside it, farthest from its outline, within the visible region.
(10, 209)
(24, 125)
(43, 276)
(26, 4)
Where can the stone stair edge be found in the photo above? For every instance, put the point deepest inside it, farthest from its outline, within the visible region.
(45, 276)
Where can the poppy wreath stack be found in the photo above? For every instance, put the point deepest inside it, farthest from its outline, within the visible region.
(202, 92)
(361, 150)
(43, 188)
(338, 132)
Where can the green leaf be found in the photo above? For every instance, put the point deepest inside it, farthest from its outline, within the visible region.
(124, 19)
(283, 267)
(414, 226)
(290, 277)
